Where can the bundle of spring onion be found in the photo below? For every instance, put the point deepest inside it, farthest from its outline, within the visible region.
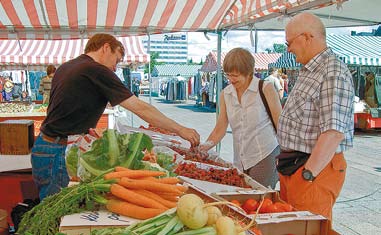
(45, 217)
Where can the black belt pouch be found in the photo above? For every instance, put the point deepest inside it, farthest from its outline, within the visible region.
(289, 162)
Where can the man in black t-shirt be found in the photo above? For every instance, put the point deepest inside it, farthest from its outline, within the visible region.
(81, 89)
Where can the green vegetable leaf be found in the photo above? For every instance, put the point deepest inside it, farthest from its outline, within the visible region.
(72, 160)
(137, 143)
(113, 148)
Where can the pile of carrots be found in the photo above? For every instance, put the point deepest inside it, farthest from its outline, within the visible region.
(139, 194)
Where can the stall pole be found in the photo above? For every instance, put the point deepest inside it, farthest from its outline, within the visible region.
(149, 67)
(219, 81)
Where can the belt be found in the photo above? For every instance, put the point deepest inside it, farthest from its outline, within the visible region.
(54, 140)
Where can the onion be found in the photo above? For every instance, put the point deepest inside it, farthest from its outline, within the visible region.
(213, 214)
(191, 211)
(225, 226)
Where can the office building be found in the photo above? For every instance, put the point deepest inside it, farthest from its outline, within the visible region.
(172, 47)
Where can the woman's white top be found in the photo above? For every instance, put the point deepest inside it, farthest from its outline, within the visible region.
(254, 137)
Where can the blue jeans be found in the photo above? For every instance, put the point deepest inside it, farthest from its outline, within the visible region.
(48, 167)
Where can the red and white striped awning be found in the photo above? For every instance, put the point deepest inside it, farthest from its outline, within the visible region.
(39, 53)
(262, 60)
(75, 19)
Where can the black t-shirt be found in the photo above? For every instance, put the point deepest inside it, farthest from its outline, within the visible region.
(81, 89)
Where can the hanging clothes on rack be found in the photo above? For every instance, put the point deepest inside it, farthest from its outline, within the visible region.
(212, 88)
(176, 90)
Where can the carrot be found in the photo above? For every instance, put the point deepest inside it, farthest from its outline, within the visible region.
(121, 168)
(133, 174)
(131, 210)
(156, 197)
(166, 180)
(149, 185)
(181, 188)
(170, 197)
(135, 198)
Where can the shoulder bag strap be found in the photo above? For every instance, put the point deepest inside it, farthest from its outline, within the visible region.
(263, 97)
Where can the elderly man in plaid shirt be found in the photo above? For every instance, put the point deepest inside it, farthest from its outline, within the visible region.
(317, 119)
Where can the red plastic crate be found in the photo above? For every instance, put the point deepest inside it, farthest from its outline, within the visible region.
(15, 187)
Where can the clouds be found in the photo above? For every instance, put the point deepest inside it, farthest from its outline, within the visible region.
(199, 47)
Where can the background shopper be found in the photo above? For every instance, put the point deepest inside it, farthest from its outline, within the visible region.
(46, 84)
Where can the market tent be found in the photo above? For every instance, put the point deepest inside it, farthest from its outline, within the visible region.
(36, 54)
(210, 63)
(358, 50)
(261, 61)
(75, 19)
(343, 14)
(286, 60)
(353, 50)
(173, 70)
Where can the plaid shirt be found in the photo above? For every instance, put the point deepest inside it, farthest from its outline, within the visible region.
(321, 100)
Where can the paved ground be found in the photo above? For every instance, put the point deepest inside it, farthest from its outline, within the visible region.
(358, 209)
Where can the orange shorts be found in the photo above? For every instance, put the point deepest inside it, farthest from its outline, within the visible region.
(319, 195)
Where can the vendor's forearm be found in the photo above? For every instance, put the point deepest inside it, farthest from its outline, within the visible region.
(323, 151)
(151, 115)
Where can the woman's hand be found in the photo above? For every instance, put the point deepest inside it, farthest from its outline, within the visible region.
(204, 147)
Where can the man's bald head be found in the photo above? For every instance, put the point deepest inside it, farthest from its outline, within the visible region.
(307, 22)
(305, 36)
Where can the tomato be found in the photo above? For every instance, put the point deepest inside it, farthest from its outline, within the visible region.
(287, 207)
(256, 230)
(250, 205)
(275, 208)
(236, 202)
(265, 205)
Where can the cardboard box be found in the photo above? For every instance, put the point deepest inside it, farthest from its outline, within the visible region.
(85, 222)
(295, 222)
(16, 137)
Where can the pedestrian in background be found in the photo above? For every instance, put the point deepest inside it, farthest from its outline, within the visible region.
(46, 84)
(274, 79)
(317, 119)
(254, 137)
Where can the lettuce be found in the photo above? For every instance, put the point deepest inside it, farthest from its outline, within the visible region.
(72, 161)
(113, 149)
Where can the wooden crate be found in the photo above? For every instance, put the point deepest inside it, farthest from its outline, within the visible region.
(16, 137)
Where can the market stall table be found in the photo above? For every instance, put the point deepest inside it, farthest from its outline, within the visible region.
(107, 119)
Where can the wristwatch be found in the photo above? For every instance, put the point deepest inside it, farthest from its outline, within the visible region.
(307, 175)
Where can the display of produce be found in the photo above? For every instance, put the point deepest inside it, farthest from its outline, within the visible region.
(42, 108)
(15, 107)
(197, 156)
(221, 176)
(133, 193)
(250, 206)
(191, 216)
(126, 176)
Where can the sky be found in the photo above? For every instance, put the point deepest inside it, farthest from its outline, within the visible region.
(199, 47)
